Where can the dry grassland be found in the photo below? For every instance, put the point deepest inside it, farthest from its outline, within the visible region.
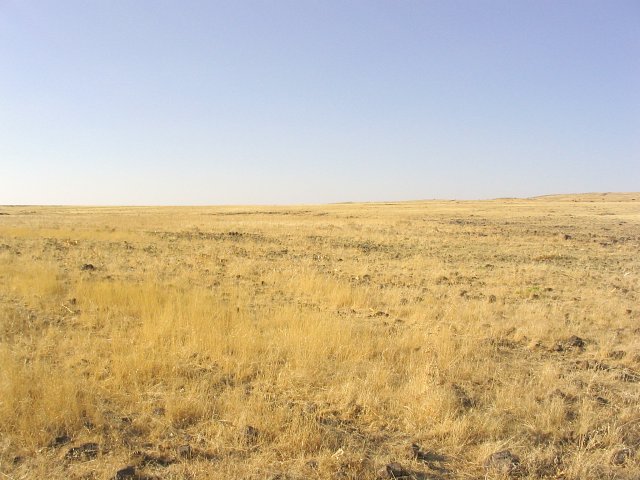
(322, 342)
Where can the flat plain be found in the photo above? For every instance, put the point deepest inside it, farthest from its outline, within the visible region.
(426, 340)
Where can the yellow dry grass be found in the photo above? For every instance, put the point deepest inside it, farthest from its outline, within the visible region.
(322, 341)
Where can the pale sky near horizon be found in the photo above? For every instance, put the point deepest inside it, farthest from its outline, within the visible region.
(275, 102)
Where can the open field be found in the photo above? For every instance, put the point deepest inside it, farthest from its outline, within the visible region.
(322, 341)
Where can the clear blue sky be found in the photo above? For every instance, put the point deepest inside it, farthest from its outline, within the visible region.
(244, 102)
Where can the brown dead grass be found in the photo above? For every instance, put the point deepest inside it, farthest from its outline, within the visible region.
(322, 341)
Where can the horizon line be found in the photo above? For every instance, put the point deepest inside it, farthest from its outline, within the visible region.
(352, 202)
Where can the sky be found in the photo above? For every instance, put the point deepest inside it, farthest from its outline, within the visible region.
(119, 102)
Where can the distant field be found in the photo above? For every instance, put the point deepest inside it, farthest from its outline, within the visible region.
(322, 342)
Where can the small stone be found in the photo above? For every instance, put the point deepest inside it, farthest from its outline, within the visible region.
(426, 456)
(160, 411)
(152, 459)
(126, 472)
(251, 434)
(503, 461)
(85, 451)
(395, 470)
(185, 451)
(617, 354)
(492, 299)
(574, 342)
(88, 267)
(60, 440)
(619, 457)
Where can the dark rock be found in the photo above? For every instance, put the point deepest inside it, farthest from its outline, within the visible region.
(547, 467)
(492, 299)
(567, 397)
(617, 354)
(185, 451)
(416, 451)
(60, 440)
(574, 342)
(592, 365)
(432, 460)
(628, 375)
(570, 343)
(126, 472)
(420, 455)
(466, 402)
(567, 236)
(395, 470)
(86, 451)
(503, 461)
(88, 267)
(151, 459)
(620, 457)
(251, 435)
